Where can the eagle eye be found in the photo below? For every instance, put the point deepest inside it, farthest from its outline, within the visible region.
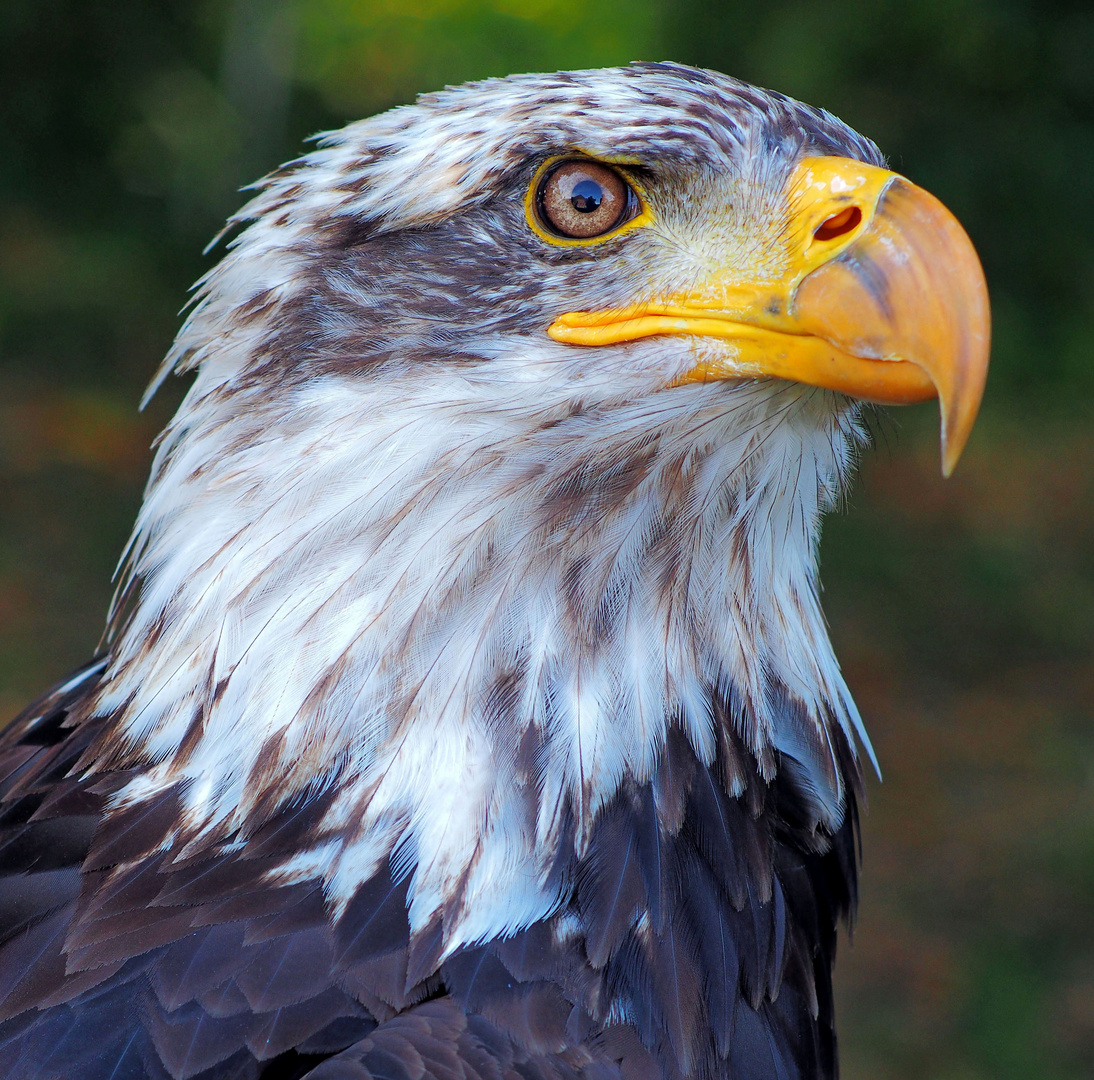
(581, 200)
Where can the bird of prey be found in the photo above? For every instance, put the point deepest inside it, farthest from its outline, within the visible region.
(468, 711)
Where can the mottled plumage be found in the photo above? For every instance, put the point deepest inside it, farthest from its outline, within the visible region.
(468, 710)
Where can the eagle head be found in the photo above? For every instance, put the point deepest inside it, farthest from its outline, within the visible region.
(514, 415)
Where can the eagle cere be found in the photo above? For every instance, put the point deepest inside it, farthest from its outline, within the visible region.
(468, 709)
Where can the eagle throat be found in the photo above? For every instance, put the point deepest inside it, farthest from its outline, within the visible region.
(468, 622)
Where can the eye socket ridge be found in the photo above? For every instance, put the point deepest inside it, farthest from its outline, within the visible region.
(579, 200)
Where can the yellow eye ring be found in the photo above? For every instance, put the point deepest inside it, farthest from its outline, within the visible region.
(634, 214)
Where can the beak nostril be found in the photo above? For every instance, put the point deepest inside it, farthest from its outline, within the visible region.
(839, 224)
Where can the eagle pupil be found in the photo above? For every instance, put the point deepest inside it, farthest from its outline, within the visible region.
(586, 196)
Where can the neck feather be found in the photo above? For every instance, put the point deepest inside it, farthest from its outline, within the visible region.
(469, 621)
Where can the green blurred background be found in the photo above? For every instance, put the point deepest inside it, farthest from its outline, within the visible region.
(963, 610)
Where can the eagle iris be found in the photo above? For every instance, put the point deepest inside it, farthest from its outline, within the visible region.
(581, 200)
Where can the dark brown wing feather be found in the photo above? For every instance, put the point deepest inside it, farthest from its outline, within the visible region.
(707, 933)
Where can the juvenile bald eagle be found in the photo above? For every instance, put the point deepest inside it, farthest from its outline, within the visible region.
(468, 712)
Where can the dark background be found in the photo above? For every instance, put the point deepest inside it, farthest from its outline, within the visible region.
(963, 610)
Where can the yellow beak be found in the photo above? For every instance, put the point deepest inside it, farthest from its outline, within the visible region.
(883, 299)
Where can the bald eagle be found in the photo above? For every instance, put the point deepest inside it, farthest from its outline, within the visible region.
(468, 711)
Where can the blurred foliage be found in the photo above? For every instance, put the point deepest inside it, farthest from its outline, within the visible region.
(963, 611)
(368, 55)
(963, 614)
